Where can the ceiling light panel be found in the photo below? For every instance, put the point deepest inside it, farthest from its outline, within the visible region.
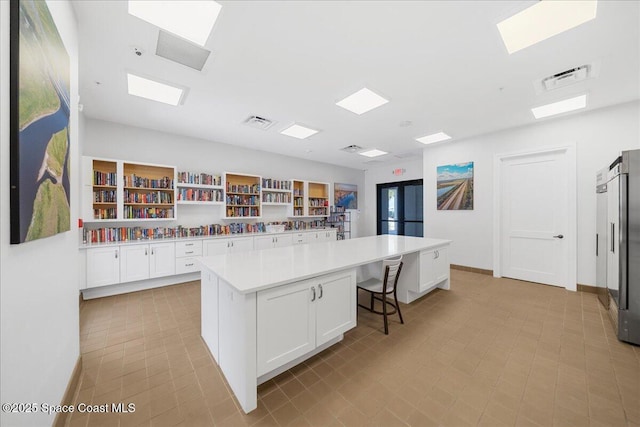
(299, 131)
(362, 101)
(192, 20)
(560, 107)
(373, 153)
(436, 137)
(153, 90)
(543, 20)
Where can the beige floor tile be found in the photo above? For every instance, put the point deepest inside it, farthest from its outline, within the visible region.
(489, 352)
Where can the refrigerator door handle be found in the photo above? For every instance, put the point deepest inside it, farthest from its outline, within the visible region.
(597, 244)
(623, 253)
(613, 238)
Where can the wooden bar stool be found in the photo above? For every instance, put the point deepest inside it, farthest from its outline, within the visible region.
(380, 288)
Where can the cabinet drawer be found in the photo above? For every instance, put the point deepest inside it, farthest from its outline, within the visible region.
(187, 265)
(188, 249)
(299, 238)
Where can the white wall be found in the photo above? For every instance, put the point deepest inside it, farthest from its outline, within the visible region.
(38, 279)
(380, 175)
(111, 140)
(599, 136)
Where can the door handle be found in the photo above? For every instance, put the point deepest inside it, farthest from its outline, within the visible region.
(613, 238)
(145, 252)
(116, 253)
(597, 238)
(320, 287)
(313, 293)
(559, 236)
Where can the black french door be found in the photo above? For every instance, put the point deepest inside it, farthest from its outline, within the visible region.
(400, 208)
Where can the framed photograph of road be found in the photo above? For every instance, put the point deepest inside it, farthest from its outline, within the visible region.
(345, 195)
(455, 187)
(39, 124)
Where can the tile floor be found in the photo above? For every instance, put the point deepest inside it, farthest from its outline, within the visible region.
(489, 352)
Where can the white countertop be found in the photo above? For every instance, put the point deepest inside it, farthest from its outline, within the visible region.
(262, 269)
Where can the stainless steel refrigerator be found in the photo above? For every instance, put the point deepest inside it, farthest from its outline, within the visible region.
(618, 243)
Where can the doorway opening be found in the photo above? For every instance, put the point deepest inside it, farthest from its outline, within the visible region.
(400, 208)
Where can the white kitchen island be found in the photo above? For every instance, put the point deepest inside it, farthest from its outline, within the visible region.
(265, 311)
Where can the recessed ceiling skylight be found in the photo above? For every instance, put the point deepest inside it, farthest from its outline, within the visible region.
(298, 131)
(192, 20)
(373, 153)
(560, 107)
(543, 20)
(151, 89)
(362, 101)
(436, 137)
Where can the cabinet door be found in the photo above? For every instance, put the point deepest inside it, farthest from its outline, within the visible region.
(283, 240)
(427, 273)
(613, 237)
(441, 265)
(331, 235)
(311, 237)
(215, 247)
(336, 306)
(187, 265)
(163, 259)
(103, 266)
(263, 242)
(242, 244)
(134, 263)
(286, 325)
(299, 238)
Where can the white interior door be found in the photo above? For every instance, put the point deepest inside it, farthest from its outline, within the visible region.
(535, 225)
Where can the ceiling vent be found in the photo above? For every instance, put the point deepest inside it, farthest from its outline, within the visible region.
(352, 149)
(565, 78)
(258, 122)
(181, 51)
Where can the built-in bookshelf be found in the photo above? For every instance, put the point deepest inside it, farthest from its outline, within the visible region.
(199, 189)
(318, 199)
(104, 189)
(116, 190)
(242, 196)
(276, 192)
(298, 198)
(148, 192)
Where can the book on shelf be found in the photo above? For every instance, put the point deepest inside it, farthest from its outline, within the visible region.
(199, 178)
(134, 180)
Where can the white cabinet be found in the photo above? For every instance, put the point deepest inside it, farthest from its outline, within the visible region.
(292, 320)
(337, 306)
(321, 236)
(276, 241)
(434, 268)
(241, 244)
(186, 253)
(134, 263)
(162, 259)
(299, 238)
(140, 262)
(103, 266)
(225, 246)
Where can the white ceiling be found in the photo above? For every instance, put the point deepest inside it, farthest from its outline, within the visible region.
(442, 65)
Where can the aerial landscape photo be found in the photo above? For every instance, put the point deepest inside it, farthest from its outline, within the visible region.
(43, 141)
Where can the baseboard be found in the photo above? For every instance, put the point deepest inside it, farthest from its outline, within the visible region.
(69, 394)
(472, 269)
(587, 288)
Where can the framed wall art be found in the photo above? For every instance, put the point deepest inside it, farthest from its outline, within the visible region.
(455, 186)
(345, 195)
(39, 124)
